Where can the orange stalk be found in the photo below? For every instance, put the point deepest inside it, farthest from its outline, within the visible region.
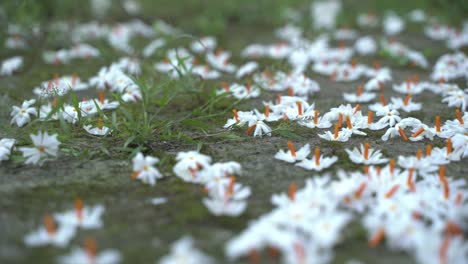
(402, 134)
(317, 156)
(382, 100)
(360, 190)
(417, 133)
(377, 238)
(250, 129)
(407, 99)
(90, 248)
(299, 108)
(449, 146)
(359, 90)
(428, 150)
(291, 148)
(369, 117)
(292, 191)
(459, 116)
(79, 208)
(348, 122)
(437, 123)
(49, 224)
(267, 110)
(419, 154)
(392, 166)
(366, 151)
(392, 191)
(337, 127)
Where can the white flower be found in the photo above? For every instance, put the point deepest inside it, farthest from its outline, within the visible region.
(342, 135)
(22, 115)
(259, 128)
(366, 156)
(11, 65)
(365, 45)
(49, 235)
(246, 69)
(189, 164)
(182, 251)
(45, 145)
(406, 104)
(143, 169)
(100, 130)
(318, 162)
(158, 200)
(6, 145)
(393, 24)
(89, 255)
(292, 155)
(204, 45)
(84, 217)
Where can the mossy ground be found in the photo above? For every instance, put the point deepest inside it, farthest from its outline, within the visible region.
(98, 169)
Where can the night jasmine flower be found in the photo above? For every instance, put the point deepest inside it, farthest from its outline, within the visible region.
(406, 104)
(292, 155)
(365, 155)
(89, 255)
(45, 145)
(11, 65)
(22, 115)
(359, 97)
(100, 130)
(204, 45)
(183, 251)
(318, 162)
(246, 69)
(189, 164)
(6, 146)
(342, 135)
(50, 235)
(144, 170)
(82, 216)
(259, 128)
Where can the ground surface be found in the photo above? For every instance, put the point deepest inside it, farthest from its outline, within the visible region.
(98, 170)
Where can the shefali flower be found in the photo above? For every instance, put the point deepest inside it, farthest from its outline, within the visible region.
(242, 117)
(292, 155)
(189, 164)
(246, 69)
(365, 45)
(318, 162)
(342, 135)
(144, 170)
(100, 130)
(381, 76)
(6, 145)
(231, 201)
(220, 61)
(459, 141)
(366, 156)
(22, 115)
(83, 216)
(259, 128)
(390, 116)
(11, 65)
(204, 45)
(406, 105)
(359, 97)
(205, 72)
(89, 255)
(457, 98)
(317, 121)
(45, 145)
(49, 235)
(183, 251)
